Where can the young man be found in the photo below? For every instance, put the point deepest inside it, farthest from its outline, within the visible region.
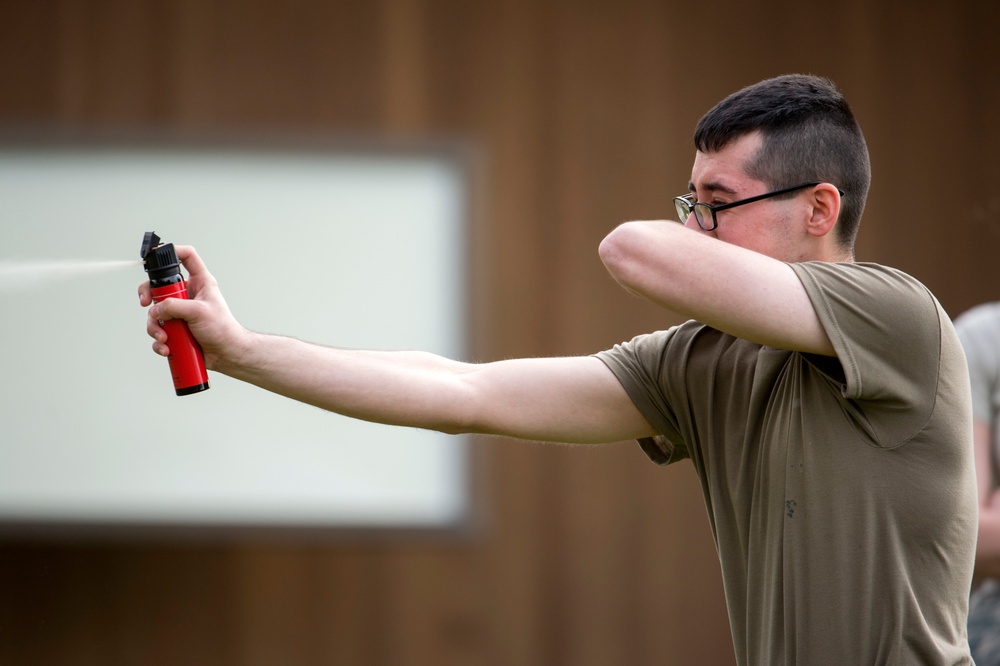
(823, 403)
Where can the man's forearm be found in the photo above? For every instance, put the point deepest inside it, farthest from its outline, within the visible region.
(401, 388)
(571, 400)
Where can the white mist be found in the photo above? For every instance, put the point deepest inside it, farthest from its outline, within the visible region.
(15, 275)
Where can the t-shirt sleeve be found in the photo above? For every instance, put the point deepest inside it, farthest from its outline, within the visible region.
(979, 331)
(886, 329)
(637, 364)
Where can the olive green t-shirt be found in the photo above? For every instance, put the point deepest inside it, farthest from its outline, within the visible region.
(841, 491)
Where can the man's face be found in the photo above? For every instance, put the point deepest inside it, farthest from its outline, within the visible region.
(770, 226)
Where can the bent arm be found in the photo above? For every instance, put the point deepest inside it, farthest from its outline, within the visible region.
(735, 290)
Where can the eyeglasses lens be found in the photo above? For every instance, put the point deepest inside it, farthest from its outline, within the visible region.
(683, 209)
(703, 216)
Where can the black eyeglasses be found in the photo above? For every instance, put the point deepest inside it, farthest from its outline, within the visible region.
(686, 205)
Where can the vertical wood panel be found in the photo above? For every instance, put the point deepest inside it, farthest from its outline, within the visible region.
(582, 115)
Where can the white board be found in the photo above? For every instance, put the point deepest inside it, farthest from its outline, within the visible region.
(344, 249)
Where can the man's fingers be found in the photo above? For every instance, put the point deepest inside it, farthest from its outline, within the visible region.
(145, 297)
(173, 308)
(192, 262)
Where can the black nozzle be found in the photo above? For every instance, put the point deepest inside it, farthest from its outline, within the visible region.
(160, 261)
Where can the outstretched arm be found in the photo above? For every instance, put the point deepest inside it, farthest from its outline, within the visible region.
(573, 400)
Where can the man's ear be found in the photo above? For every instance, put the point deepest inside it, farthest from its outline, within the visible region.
(825, 209)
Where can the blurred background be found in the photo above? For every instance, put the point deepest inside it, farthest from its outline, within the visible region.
(579, 114)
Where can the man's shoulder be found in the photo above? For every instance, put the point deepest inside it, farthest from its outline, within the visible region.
(869, 288)
(855, 270)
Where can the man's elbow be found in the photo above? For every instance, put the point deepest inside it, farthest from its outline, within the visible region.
(624, 250)
(614, 250)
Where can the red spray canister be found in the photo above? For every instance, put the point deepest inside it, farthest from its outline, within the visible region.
(187, 364)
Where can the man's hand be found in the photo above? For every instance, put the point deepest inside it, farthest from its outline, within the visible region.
(221, 337)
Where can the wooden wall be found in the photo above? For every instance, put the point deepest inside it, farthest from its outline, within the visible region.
(581, 113)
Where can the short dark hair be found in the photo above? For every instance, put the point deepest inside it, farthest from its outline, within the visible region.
(809, 133)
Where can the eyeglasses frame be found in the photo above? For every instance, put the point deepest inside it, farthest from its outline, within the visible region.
(683, 203)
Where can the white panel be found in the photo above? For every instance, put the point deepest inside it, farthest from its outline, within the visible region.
(343, 250)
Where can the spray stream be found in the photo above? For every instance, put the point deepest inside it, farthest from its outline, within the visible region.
(15, 275)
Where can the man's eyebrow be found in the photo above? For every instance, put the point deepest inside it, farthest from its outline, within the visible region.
(713, 187)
